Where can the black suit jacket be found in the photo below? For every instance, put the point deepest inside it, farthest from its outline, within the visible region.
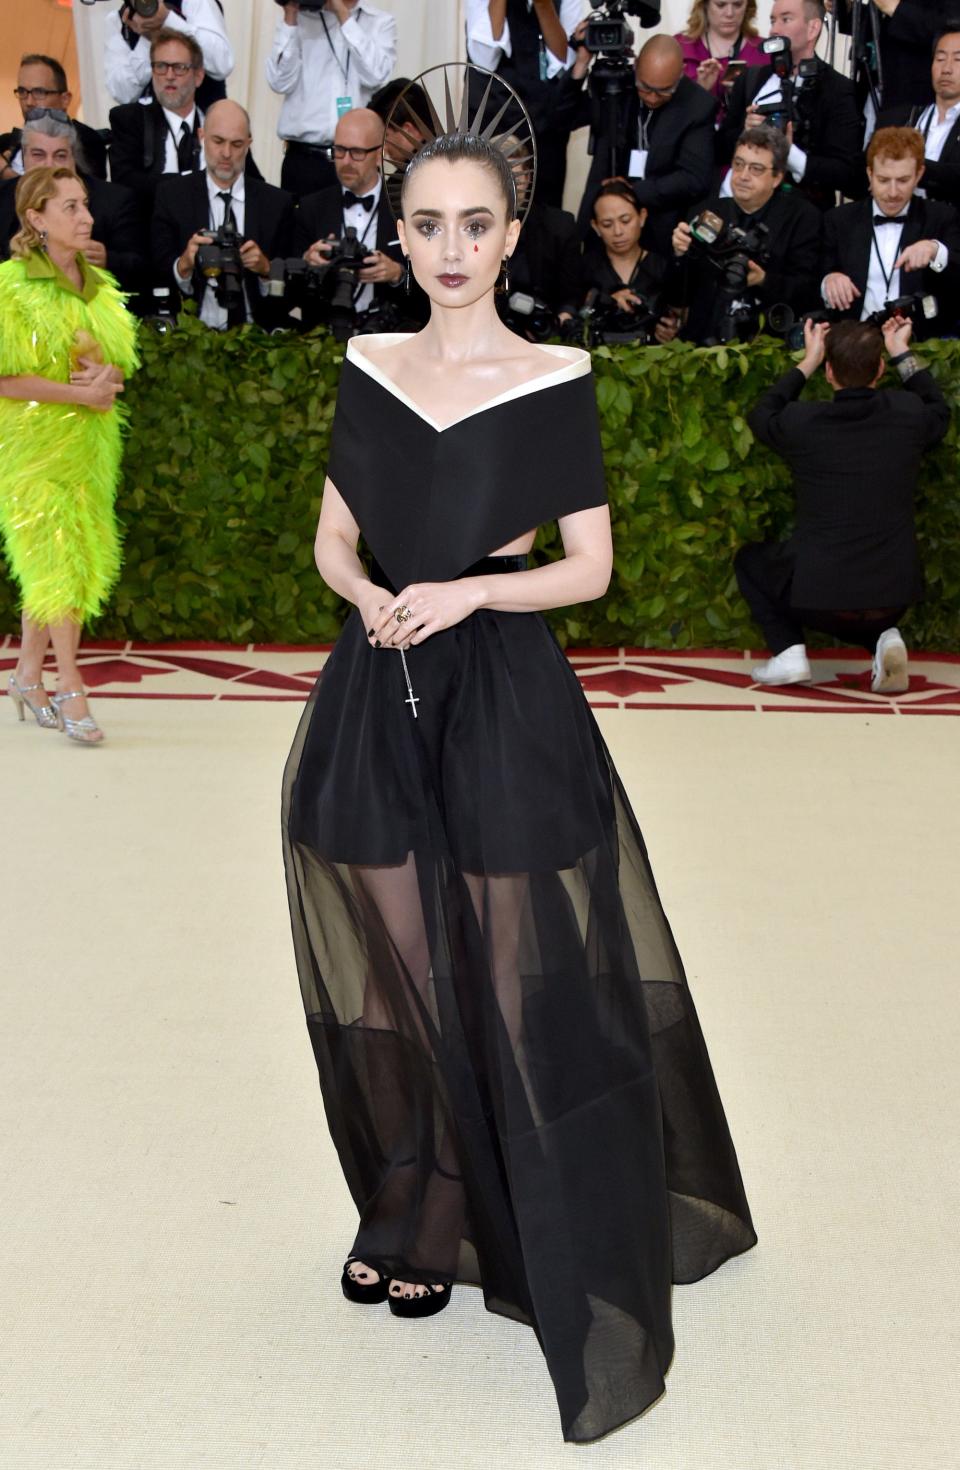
(792, 265)
(848, 240)
(182, 208)
(829, 129)
(321, 214)
(116, 224)
(906, 42)
(679, 161)
(547, 262)
(92, 146)
(854, 462)
(941, 176)
(138, 143)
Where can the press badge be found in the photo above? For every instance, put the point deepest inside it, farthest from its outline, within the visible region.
(344, 104)
(637, 166)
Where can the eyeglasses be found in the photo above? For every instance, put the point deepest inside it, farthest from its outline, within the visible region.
(178, 68)
(41, 93)
(337, 150)
(741, 166)
(658, 91)
(36, 113)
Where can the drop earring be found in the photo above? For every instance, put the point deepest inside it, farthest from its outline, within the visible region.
(503, 283)
(44, 237)
(407, 274)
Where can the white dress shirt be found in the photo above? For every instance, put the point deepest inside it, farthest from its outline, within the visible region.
(771, 91)
(312, 67)
(883, 282)
(484, 51)
(211, 312)
(365, 224)
(171, 160)
(127, 69)
(935, 132)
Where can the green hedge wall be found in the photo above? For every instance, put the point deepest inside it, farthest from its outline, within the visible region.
(225, 464)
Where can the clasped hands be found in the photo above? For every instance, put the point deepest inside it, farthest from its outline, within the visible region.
(433, 606)
(840, 292)
(100, 382)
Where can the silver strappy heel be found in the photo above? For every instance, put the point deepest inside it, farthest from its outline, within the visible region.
(85, 731)
(44, 714)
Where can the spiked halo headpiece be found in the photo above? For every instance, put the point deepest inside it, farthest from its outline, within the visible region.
(459, 99)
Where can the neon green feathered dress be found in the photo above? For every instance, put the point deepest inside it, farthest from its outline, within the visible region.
(59, 462)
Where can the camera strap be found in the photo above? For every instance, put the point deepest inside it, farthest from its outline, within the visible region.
(344, 70)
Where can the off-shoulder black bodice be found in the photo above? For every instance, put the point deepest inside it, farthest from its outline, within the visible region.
(432, 500)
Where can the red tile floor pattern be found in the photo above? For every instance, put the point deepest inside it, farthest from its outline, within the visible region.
(612, 678)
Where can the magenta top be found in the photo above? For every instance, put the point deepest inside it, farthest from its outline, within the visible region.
(696, 51)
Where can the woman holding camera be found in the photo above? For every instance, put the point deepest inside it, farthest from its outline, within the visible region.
(618, 266)
(720, 32)
(66, 345)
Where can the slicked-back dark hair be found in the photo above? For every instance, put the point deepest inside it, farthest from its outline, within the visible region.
(855, 352)
(59, 75)
(457, 147)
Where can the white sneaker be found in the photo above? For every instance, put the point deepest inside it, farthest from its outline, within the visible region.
(788, 667)
(890, 664)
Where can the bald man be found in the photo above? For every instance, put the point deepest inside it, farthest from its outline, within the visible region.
(191, 208)
(666, 149)
(355, 200)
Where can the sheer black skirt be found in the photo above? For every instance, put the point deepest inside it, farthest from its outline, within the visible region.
(511, 1064)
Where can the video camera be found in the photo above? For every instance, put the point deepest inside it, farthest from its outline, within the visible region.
(609, 38)
(220, 263)
(782, 112)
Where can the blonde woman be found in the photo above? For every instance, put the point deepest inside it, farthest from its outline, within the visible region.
(720, 32)
(66, 344)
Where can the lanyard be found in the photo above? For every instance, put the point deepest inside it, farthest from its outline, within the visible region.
(887, 277)
(644, 121)
(344, 70)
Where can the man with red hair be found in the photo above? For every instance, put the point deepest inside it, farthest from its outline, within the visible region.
(894, 243)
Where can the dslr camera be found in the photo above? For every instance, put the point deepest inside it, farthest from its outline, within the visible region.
(528, 316)
(730, 249)
(220, 263)
(323, 291)
(915, 307)
(784, 111)
(604, 323)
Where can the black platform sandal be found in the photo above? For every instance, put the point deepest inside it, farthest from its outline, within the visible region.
(437, 1297)
(355, 1291)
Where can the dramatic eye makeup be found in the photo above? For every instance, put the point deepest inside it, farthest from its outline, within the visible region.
(475, 220)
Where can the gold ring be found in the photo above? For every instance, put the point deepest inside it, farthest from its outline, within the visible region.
(403, 613)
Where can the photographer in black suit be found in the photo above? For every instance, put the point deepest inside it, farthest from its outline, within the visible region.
(788, 229)
(190, 210)
(906, 32)
(118, 242)
(42, 82)
(825, 135)
(668, 141)
(851, 567)
(939, 122)
(893, 243)
(356, 200)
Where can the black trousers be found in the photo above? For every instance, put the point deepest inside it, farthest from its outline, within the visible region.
(765, 577)
(304, 171)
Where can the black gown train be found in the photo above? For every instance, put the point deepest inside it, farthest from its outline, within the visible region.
(511, 1064)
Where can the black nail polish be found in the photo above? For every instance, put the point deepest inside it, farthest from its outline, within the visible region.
(369, 632)
(377, 643)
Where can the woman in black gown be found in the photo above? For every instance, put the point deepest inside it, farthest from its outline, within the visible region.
(511, 1064)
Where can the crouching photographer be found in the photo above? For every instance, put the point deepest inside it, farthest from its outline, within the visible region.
(350, 273)
(214, 231)
(851, 567)
(738, 257)
(895, 243)
(626, 283)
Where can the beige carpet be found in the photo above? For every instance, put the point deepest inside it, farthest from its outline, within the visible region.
(174, 1219)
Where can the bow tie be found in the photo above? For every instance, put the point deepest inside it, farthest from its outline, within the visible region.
(365, 201)
(889, 219)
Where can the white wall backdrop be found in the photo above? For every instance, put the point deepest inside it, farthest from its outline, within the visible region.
(430, 31)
